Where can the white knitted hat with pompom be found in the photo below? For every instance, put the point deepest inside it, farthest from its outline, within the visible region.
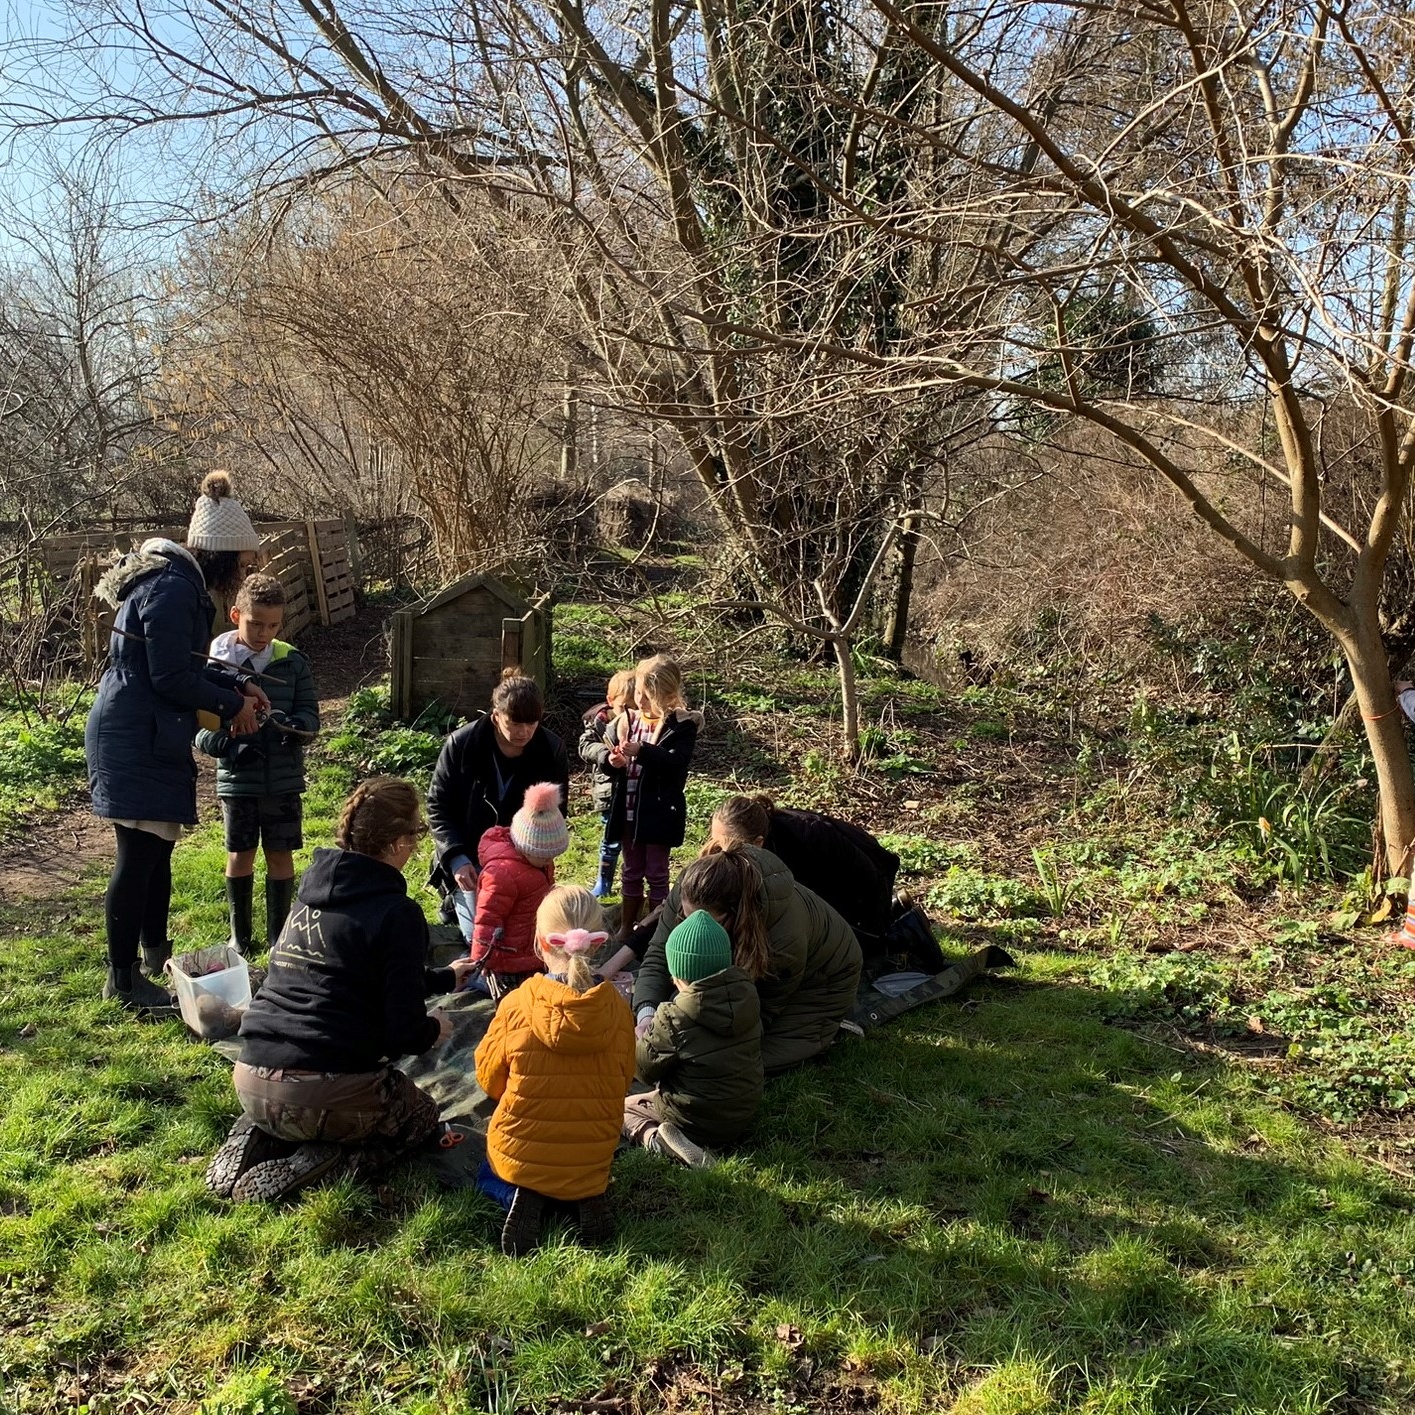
(219, 521)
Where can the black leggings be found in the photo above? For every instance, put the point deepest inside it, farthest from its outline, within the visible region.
(139, 894)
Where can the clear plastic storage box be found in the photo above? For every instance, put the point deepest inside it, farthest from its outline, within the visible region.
(213, 989)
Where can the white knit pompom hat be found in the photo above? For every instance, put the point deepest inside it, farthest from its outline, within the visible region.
(219, 521)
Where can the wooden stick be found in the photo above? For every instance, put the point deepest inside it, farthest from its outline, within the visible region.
(205, 658)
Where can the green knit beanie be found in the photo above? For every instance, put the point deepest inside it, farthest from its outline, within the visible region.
(698, 948)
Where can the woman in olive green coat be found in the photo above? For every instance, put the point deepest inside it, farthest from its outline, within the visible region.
(803, 957)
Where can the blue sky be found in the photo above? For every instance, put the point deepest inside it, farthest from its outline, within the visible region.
(158, 176)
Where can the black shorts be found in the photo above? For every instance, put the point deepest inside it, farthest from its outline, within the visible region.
(273, 821)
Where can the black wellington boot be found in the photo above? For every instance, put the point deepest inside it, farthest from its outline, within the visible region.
(278, 894)
(240, 895)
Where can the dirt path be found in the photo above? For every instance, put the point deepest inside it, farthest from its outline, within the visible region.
(57, 849)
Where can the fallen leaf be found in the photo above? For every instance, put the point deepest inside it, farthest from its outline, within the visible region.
(1255, 1024)
(598, 1328)
(790, 1337)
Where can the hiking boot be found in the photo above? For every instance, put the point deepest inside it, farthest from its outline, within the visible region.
(668, 1139)
(595, 1220)
(912, 933)
(288, 1174)
(521, 1231)
(240, 899)
(135, 992)
(629, 912)
(245, 1147)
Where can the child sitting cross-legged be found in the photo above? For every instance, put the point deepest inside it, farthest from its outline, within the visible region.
(517, 872)
(703, 1050)
(557, 1059)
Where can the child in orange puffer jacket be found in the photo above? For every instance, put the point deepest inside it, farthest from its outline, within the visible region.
(517, 872)
(558, 1059)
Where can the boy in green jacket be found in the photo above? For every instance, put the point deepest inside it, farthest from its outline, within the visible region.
(260, 778)
(703, 1050)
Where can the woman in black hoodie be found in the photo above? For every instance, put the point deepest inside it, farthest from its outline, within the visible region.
(344, 999)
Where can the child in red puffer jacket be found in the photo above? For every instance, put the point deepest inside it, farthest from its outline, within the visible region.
(517, 872)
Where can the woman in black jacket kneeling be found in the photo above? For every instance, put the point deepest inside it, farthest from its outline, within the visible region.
(344, 999)
(839, 861)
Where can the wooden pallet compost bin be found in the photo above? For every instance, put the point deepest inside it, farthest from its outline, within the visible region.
(450, 651)
(316, 562)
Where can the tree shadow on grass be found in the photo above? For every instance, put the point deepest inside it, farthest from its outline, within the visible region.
(1006, 1186)
(1025, 1180)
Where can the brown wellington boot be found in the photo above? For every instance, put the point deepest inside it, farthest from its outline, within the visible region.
(629, 913)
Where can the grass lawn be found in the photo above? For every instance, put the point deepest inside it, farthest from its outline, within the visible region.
(1004, 1205)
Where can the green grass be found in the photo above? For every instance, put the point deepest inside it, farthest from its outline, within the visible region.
(1036, 1199)
(1009, 1204)
(41, 762)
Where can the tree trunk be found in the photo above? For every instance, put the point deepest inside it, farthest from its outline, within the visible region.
(897, 627)
(849, 696)
(569, 444)
(1385, 731)
(1398, 655)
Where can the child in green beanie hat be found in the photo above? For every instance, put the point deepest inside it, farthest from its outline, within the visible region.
(702, 1052)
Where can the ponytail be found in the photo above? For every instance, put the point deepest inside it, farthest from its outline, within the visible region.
(517, 697)
(745, 819)
(378, 812)
(727, 883)
(562, 910)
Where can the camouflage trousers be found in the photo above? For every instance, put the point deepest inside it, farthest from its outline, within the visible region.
(380, 1115)
(641, 1117)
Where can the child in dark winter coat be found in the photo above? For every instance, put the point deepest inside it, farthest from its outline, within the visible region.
(594, 752)
(650, 752)
(703, 1050)
(517, 872)
(260, 778)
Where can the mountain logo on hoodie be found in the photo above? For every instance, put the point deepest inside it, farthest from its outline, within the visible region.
(302, 940)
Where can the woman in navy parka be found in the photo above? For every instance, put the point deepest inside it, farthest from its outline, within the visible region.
(138, 738)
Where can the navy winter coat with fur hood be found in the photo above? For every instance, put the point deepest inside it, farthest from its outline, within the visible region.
(138, 737)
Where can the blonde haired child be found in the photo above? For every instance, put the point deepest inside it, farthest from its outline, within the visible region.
(594, 752)
(651, 750)
(558, 1059)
